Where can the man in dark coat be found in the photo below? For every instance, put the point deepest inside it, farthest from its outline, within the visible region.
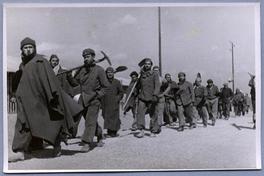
(111, 104)
(184, 97)
(132, 103)
(170, 115)
(66, 80)
(212, 100)
(200, 100)
(226, 95)
(44, 109)
(251, 84)
(93, 85)
(148, 88)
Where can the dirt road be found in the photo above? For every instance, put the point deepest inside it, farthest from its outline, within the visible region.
(229, 144)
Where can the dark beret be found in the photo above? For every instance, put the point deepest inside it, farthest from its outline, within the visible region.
(53, 56)
(109, 69)
(210, 81)
(133, 73)
(181, 73)
(88, 51)
(142, 62)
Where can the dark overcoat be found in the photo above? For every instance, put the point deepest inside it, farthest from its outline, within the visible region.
(111, 105)
(45, 107)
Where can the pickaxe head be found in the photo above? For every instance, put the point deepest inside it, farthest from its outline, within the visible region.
(106, 58)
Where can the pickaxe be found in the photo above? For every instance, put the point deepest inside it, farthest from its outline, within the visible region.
(96, 61)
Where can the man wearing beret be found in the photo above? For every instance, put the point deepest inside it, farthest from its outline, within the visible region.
(111, 104)
(42, 111)
(226, 95)
(132, 103)
(148, 88)
(93, 85)
(184, 97)
(212, 100)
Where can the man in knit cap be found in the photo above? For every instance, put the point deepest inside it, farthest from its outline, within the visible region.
(93, 85)
(111, 104)
(44, 110)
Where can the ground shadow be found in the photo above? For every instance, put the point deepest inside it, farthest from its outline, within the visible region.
(239, 127)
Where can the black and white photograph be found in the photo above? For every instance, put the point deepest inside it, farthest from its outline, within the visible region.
(98, 87)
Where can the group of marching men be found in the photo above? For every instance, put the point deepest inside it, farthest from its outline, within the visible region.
(168, 102)
(50, 111)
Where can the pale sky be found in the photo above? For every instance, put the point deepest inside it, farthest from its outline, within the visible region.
(194, 39)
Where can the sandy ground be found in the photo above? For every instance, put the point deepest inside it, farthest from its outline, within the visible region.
(229, 144)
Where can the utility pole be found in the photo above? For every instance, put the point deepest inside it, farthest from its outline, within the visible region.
(159, 23)
(233, 66)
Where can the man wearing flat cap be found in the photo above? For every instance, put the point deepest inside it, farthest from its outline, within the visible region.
(44, 109)
(111, 104)
(132, 103)
(212, 100)
(93, 85)
(148, 87)
(184, 97)
(226, 95)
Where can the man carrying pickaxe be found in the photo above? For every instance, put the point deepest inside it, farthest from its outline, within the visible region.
(93, 84)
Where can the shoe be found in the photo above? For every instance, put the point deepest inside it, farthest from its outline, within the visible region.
(213, 123)
(181, 129)
(19, 156)
(100, 143)
(85, 148)
(192, 126)
(57, 151)
(254, 127)
(114, 135)
(133, 129)
(153, 135)
(173, 124)
(141, 134)
(205, 125)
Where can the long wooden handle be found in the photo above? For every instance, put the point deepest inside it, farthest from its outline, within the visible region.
(67, 71)
(130, 93)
